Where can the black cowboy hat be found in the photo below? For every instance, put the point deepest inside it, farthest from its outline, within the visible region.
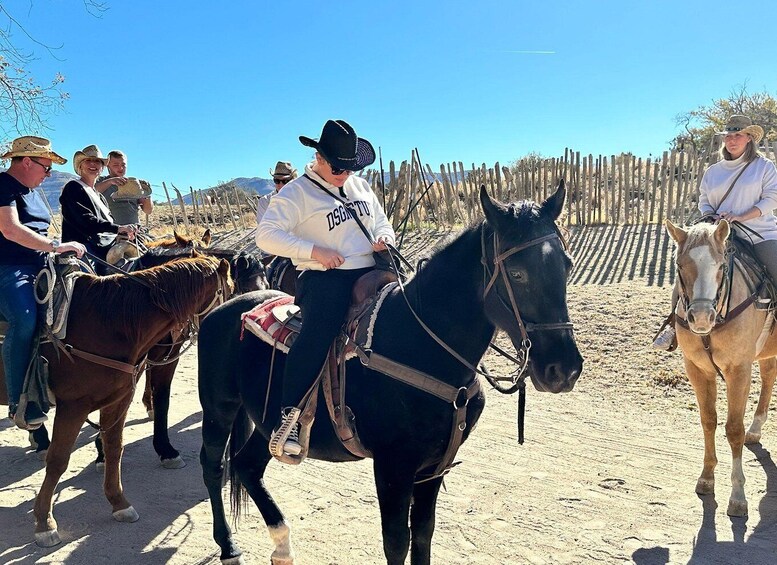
(341, 147)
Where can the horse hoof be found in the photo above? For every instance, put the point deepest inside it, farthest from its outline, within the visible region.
(751, 438)
(737, 507)
(150, 415)
(126, 515)
(47, 539)
(100, 466)
(233, 561)
(174, 463)
(705, 486)
(282, 560)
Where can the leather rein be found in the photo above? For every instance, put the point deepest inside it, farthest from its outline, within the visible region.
(459, 397)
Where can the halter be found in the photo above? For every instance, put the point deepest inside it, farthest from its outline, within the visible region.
(522, 359)
(723, 291)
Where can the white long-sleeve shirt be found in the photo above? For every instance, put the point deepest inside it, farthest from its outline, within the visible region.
(303, 215)
(756, 187)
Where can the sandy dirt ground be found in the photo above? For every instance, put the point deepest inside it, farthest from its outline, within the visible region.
(606, 475)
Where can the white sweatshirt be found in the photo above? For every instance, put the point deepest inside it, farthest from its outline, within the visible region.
(303, 215)
(756, 187)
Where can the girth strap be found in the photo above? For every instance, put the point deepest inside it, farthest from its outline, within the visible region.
(459, 398)
(133, 370)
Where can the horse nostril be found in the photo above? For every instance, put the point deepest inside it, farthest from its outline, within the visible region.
(690, 317)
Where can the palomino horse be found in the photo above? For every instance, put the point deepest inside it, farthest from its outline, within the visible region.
(506, 272)
(115, 322)
(721, 337)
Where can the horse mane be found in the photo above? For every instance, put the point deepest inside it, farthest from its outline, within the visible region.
(173, 288)
(699, 234)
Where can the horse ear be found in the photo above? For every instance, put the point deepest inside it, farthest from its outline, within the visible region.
(223, 267)
(180, 240)
(676, 232)
(554, 205)
(491, 208)
(206, 237)
(721, 232)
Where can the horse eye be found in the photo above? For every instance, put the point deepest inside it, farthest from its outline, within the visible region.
(517, 275)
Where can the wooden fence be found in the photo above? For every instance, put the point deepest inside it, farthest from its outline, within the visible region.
(616, 190)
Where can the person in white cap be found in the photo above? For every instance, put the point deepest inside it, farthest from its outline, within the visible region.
(24, 243)
(312, 221)
(741, 187)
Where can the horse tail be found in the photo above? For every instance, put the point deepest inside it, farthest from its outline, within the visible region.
(241, 431)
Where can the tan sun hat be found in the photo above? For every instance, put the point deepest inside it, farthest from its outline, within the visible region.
(133, 189)
(742, 124)
(32, 146)
(88, 152)
(283, 170)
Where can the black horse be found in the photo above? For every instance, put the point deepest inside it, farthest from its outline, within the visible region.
(248, 274)
(508, 271)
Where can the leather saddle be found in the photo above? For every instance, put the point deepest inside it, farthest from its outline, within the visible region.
(277, 322)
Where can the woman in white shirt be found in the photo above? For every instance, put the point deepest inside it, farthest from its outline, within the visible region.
(312, 221)
(741, 187)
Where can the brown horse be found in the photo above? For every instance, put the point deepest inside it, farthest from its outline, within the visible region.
(720, 337)
(115, 322)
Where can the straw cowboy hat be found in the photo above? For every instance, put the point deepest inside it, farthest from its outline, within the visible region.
(88, 152)
(743, 124)
(283, 170)
(341, 147)
(32, 146)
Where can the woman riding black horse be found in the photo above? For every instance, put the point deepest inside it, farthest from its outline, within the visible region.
(507, 272)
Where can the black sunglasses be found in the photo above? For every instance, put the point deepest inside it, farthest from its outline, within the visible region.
(46, 168)
(281, 181)
(336, 172)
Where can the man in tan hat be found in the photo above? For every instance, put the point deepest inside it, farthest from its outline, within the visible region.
(123, 211)
(283, 174)
(24, 242)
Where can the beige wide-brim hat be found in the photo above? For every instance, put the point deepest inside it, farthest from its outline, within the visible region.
(32, 146)
(283, 170)
(743, 124)
(88, 152)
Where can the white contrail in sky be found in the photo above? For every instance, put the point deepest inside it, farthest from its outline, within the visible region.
(527, 52)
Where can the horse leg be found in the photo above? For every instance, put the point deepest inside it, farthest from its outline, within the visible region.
(112, 422)
(422, 516)
(249, 464)
(768, 374)
(39, 440)
(737, 391)
(215, 433)
(148, 398)
(161, 378)
(705, 387)
(394, 484)
(67, 423)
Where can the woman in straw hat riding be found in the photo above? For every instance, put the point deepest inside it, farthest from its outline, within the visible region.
(741, 187)
(312, 221)
(85, 213)
(24, 242)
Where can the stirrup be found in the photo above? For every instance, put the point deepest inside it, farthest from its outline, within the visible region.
(666, 340)
(285, 439)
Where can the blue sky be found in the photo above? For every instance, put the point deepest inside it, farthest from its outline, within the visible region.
(197, 93)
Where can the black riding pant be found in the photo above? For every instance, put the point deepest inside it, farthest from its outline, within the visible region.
(324, 298)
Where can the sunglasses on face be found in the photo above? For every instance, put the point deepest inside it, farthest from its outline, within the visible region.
(337, 172)
(280, 181)
(46, 168)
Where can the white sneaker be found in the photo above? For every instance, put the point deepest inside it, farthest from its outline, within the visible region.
(665, 339)
(292, 445)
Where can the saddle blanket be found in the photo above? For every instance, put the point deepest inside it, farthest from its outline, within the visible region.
(275, 321)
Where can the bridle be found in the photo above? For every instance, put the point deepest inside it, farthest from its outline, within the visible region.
(522, 355)
(715, 303)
